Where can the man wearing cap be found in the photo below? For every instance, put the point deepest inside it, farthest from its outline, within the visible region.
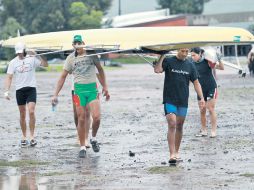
(23, 68)
(83, 69)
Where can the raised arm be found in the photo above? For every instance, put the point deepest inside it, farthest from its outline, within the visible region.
(43, 60)
(158, 66)
(220, 66)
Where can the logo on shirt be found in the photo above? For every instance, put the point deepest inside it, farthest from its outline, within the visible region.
(180, 72)
(24, 68)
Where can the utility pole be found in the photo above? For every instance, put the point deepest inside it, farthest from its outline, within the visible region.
(119, 7)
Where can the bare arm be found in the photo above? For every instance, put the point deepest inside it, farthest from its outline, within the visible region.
(8, 86)
(158, 67)
(198, 89)
(102, 79)
(8, 82)
(220, 66)
(44, 61)
(99, 78)
(59, 86)
(214, 73)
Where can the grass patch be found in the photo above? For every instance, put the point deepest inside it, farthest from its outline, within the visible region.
(247, 175)
(55, 68)
(132, 59)
(162, 169)
(72, 145)
(52, 174)
(21, 163)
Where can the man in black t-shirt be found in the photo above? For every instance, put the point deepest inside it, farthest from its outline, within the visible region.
(179, 71)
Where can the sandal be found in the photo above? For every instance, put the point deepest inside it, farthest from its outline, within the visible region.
(201, 134)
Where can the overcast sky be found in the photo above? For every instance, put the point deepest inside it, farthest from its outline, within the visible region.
(212, 7)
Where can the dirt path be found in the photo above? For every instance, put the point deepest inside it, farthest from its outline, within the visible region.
(132, 121)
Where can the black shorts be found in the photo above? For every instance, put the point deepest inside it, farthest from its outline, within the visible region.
(26, 95)
(209, 94)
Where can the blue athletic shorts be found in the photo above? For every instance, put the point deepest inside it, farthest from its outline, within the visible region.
(178, 111)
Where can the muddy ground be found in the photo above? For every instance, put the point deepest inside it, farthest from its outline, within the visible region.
(132, 121)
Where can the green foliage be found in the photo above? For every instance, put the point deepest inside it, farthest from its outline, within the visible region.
(88, 20)
(10, 28)
(101, 5)
(183, 6)
(21, 163)
(36, 16)
(132, 59)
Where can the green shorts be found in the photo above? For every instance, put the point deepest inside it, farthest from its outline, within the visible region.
(84, 93)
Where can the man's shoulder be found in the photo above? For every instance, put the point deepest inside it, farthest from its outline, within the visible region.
(13, 61)
(71, 55)
(170, 58)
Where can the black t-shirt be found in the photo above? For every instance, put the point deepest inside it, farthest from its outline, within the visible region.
(178, 74)
(205, 75)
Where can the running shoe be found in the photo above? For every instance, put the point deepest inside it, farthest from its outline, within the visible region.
(33, 142)
(172, 161)
(95, 146)
(82, 153)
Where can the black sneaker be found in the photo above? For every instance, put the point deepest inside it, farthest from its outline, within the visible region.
(95, 145)
(33, 142)
(82, 153)
(24, 143)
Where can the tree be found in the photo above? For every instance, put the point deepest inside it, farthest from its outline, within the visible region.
(11, 28)
(47, 16)
(101, 5)
(183, 6)
(81, 17)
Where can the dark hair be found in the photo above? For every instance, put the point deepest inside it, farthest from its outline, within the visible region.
(197, 50)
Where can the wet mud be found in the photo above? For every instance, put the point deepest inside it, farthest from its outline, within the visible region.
(134, 152)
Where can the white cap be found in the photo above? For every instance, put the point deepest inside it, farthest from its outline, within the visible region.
(19, 47)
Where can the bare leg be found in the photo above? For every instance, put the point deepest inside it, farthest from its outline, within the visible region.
(81, 124)
(96, 115)
(213, 116)
(171, 119)
(179, 134)
(75, 116)
(31, 109)
(87, 124)
(22, 112)
(203, 120)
